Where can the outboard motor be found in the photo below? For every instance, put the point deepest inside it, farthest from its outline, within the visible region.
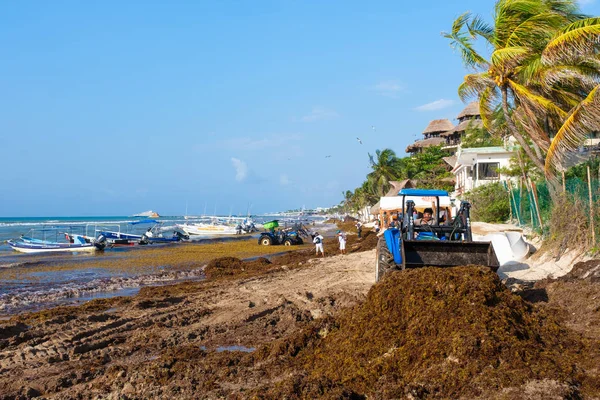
(100, 242)
(181, 236)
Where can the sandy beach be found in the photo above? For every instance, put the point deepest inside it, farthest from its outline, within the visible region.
(254, 328)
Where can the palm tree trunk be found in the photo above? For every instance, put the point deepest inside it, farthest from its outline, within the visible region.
(515, 132)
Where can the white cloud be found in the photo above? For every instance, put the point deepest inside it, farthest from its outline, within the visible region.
(241, 169)
(435, 105)
(388, 88)
(319, 114)
(284, 180)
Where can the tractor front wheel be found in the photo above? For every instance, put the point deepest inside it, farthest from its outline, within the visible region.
(385, 260)
(287, 242)
(265, 241)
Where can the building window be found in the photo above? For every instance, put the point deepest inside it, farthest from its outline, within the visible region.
(488, 170)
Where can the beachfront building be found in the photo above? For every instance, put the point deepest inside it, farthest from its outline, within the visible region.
(474, 167)
(432, 136)
(470, 117)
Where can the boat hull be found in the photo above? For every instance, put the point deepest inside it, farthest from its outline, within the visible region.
(119, 236)
(28, 247)
(206, 229)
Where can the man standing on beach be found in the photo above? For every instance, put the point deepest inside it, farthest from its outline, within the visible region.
(342, 240)
(318, 241)
(359, 229)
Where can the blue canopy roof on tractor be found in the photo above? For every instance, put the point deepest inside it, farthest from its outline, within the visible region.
(422, 192)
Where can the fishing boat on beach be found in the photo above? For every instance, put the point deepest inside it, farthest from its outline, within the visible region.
(154, 234)
(200, 228)
(71, 243)
(218, 226)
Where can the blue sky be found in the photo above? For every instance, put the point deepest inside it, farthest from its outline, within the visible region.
(112, 108)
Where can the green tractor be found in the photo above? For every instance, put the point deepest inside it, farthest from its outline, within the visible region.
(286, 237)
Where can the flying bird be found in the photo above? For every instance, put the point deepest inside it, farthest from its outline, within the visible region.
(327, 156)
(372, 127)
(359, 141)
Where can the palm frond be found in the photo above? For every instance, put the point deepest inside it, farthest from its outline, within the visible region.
(473, 85)
(509, 57)
(489, 101)
(462, 41)
(531, 70)
(533, 126)
(478, 27)
(537, 29)
(584, 119)
(539, 103)
(579, 39)
(510, 14)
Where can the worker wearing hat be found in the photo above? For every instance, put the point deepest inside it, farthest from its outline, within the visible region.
(318, 241)
(342, 240)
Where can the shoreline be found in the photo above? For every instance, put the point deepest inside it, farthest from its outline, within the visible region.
(34, 282)
(58, 279)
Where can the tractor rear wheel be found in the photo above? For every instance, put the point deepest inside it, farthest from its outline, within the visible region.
(265, 241)
(287, 242)
(385, 260)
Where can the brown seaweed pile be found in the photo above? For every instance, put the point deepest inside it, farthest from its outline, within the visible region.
(429, 333)
(231, 266)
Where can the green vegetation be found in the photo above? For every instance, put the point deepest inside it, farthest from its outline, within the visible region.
(490, 203)
(479, 137)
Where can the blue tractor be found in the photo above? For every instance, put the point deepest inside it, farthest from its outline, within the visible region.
(286, 237)
(442, 241)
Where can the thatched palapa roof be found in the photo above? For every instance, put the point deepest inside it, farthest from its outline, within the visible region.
(436, 141)
(396, 187)
(472, 123)
(438, 126)
(471, 110)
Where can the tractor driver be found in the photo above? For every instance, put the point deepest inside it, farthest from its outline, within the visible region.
(427, 217)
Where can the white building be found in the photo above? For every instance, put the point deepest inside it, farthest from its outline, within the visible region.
(479, 166)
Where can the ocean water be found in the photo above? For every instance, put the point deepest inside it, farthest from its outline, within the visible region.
(25, 290)
(47, 227)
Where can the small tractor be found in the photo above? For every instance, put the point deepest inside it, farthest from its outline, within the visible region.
(286, 236)
(445, 241)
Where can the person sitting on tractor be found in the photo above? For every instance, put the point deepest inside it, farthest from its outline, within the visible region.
(427, 217)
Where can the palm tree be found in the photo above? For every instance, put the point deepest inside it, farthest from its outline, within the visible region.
(385, 168)
(576, 44)
(526, 76)
(347, 200)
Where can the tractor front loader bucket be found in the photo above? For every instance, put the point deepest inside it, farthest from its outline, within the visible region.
(445, 253)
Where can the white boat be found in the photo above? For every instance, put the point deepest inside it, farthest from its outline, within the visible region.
(29, 245)
(200, 228)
